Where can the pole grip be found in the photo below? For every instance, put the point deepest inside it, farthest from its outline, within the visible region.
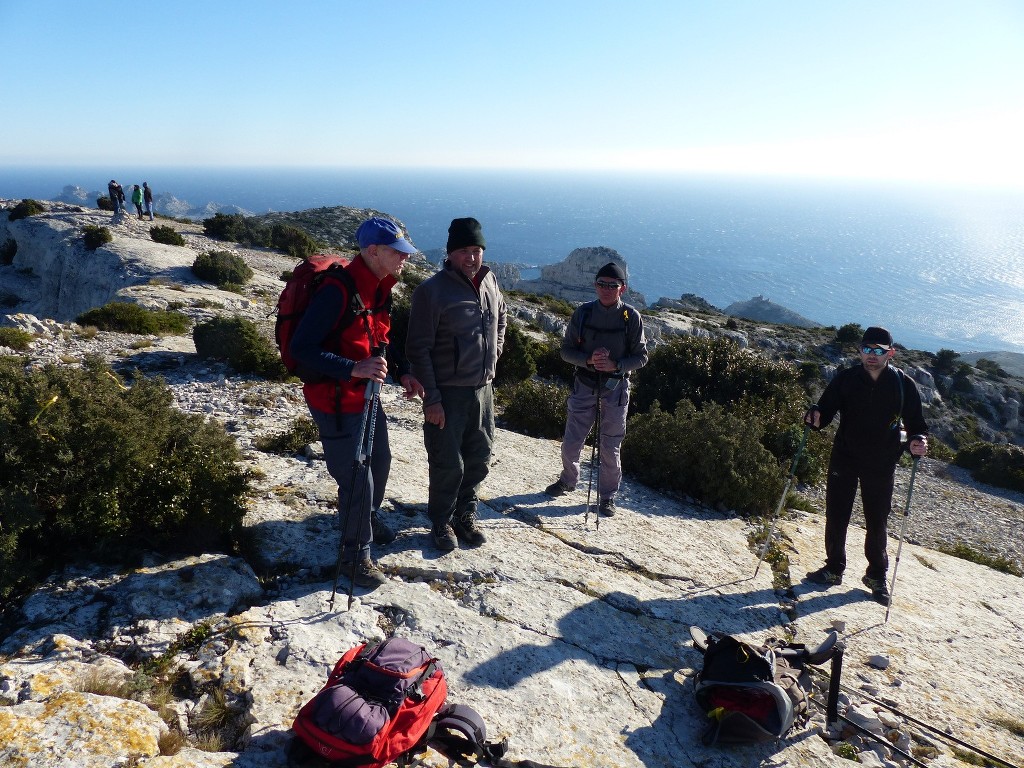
(835, 675)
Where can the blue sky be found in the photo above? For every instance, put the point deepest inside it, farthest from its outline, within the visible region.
(920, 90)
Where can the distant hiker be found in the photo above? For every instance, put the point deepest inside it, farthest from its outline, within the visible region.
(456, 332)
(346, 359)
(874, 401)
(605, 341)
(147, 196)
(137, 199)
(116, 194)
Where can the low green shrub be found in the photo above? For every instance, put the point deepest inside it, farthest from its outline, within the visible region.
(131, 318)
(91, 467)
(24, 209)
(547, 356)
(851, 333)
(104, 204)
(221, 268)
(166, 235)
(301, 433)
(15, 338)
(239, 229)
(998, 465)
(708, 453)
(293, 241)
(95, 236)
(238, 341)
(8, 251)
(711, 370)
(516, 361)
(972, 555)
(533, 408)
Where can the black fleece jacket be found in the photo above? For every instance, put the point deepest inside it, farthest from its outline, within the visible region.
(869, 414)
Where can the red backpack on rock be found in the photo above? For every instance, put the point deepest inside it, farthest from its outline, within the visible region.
(377, 705)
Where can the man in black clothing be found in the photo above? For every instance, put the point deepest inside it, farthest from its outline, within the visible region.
(874, 401)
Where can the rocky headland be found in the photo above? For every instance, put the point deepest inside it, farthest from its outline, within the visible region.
(569, 639)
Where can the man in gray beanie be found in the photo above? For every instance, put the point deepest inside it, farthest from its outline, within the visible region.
(605, 341)
(456, 332)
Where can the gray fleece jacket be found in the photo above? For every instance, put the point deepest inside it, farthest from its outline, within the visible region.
(456, 331)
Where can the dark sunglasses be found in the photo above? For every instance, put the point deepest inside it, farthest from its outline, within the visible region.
(608, 286)
(877, 351)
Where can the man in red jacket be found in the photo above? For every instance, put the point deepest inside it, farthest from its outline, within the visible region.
(349, 359)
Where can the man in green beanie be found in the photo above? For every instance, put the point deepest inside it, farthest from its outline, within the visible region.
(456, 332)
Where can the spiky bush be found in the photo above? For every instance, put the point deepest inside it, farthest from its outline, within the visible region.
(221, 268)
(301, 433)
(710, 453)
(166, 235)
(24, 209)
(92, 468)
(95, 236)
(15, 338)
(238, 341)
(516, 362)
(534, 408)
(104, 204)
(239, 229)
(131, 318)
(711, 370)
(999, 465)
(720, 424)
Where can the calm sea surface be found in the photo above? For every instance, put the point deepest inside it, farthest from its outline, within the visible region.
(940, 268)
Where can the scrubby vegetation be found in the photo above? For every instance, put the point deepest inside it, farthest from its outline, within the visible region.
(166, 235)
(131, 318)
(999, 465)
(15, 338)
(221, 268)
(535, 408)
(104, 203)
(240, 229)
(299, 434)
(24, 209)
(239, 342)
(93, 467)
(95, 236)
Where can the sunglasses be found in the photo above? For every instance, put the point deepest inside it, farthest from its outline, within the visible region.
(607, 286)
(877, 351)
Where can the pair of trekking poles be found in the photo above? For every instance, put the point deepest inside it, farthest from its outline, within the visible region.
(595, 462)
(782, 501)
(362, 480)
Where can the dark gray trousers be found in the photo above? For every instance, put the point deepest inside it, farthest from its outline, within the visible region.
(459, 456)
(360, 489)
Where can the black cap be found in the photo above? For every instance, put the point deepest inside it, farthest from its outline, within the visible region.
(613, 270)
(876, 336)
(463, 233)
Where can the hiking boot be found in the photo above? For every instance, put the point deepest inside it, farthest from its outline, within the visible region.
(443, 537)
(879, 589)
(467, 532)
(382, 532)
(557, 488)
(606, 507)
(367, 573)
(825, 576)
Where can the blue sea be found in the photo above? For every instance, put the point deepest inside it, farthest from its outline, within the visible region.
(938, 267)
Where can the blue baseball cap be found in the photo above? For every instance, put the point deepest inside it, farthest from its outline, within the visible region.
(379, 231)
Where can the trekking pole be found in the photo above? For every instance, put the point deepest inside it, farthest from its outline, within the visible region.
(782, 499)
(360, 477)
(590, 478)
(903, 530)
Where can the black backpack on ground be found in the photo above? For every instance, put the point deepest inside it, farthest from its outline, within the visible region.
(754, 692)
